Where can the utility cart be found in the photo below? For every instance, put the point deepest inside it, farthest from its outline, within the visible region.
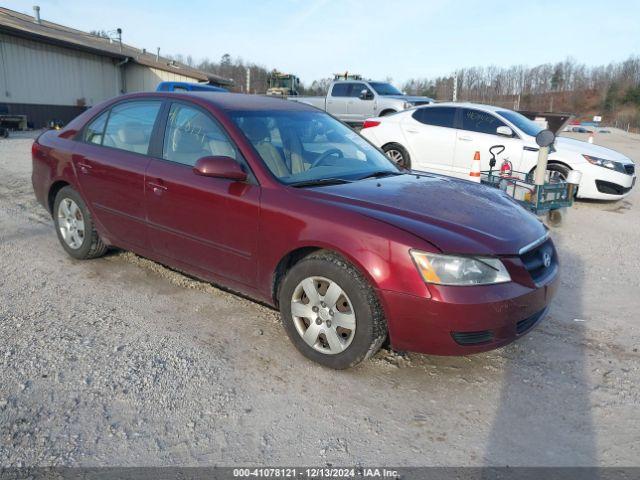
(542, 192)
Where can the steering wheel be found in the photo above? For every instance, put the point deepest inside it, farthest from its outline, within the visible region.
(327, 154)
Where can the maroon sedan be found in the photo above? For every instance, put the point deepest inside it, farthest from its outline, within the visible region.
(285, 204)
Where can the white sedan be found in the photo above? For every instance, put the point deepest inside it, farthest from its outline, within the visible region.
(443, 138)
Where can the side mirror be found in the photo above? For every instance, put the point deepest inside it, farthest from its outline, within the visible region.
(504, 131)
(365, 94)
(220, 167)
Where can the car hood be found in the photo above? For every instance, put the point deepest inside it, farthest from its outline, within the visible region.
(409, 98)
(580, 147)
(456, 216)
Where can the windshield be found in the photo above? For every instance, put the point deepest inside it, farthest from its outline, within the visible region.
(520, 121)
(385, 88)
(303, 147)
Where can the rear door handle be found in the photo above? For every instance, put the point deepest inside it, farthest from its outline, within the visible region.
(157, 186)
(465, 139)
(413, 131)
(84, 167)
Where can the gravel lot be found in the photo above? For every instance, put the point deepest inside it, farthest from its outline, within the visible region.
(120, 361)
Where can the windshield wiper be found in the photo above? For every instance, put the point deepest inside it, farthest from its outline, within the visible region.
(380, 174)
(319, 182)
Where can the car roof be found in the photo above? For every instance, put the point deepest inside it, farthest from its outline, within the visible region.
(479, 106)
(232, 101)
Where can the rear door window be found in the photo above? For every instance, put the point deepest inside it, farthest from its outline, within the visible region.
(130, 126)
(340, 90)
(479, 121)
(436, 116)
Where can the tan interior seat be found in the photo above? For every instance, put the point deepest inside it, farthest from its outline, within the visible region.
(132, 136)
(257, 131)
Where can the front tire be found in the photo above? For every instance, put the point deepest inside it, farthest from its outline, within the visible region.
(559, 169)
(398, 155)
(74, 226)
(330, 312)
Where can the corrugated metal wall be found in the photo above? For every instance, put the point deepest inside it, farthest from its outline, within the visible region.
(139, 78)
(37, 73)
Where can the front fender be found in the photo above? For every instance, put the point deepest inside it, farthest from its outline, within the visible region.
(379, 250)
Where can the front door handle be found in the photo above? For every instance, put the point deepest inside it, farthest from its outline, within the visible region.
(412, 131)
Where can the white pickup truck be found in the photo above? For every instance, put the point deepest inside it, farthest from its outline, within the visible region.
(353, 101)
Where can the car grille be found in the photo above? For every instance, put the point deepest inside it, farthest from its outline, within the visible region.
(534, 262)
(611, 188)
(630, 168)
(472, 338)
(526, 324)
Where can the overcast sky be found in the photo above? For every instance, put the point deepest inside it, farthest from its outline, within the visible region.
(377, 38)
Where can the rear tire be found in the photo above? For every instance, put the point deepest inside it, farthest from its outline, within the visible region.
(398, 155)
(341, 332)
(74, 226)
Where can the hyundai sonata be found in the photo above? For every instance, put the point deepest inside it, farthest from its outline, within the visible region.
(287, 205)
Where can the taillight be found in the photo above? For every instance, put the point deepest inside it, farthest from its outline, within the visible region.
(370, 123)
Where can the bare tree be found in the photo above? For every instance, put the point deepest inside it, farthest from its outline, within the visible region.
(564, 86)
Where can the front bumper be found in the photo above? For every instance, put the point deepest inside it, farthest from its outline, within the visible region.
(465, 320)
(599, 183)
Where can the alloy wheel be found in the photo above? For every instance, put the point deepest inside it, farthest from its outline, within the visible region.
(71, 223)
(323, 315)
(395, 156)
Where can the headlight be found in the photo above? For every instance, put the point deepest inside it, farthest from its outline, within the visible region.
(601, 162)
(407, 105)
(455, 270)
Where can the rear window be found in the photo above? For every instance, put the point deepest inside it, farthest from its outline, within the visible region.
(436, 116)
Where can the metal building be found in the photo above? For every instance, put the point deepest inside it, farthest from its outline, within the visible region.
(52, 72)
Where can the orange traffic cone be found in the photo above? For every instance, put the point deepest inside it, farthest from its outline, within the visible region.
(474, 174)
(590, 137)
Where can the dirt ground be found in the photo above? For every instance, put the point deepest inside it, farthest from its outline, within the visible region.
(120, 361)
